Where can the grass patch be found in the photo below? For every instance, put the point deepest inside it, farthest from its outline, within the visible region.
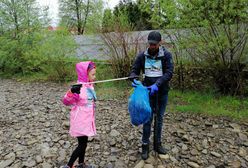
(113, 90)
(110, 90)
(208, 103)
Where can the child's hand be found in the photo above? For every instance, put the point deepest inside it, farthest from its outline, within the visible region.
(76, 88)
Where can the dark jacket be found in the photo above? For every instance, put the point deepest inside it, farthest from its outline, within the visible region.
(167, 68)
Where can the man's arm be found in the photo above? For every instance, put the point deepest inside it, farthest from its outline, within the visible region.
(169, 70)
(137, 66)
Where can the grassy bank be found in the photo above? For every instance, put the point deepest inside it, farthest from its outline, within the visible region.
(210, 104)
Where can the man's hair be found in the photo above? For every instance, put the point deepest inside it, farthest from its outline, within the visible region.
(154, 37)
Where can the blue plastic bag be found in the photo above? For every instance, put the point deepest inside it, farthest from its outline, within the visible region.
(139, 105)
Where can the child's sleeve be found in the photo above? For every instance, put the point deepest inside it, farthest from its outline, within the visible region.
(70, 98)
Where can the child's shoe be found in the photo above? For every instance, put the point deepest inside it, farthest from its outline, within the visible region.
(83, 165)
(65, 166)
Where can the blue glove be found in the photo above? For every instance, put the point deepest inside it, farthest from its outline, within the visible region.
(153, 89)
(135, 83)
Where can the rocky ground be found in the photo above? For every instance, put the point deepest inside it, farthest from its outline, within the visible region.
(34, 133)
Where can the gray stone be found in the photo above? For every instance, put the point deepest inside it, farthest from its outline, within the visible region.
(210, 135)
(246, 158)
(140, 164)
(243, 137)
(62, 155)
(109, 165)
(164, 157)
(173, 159)
(185, 138)
(6, 163)
(90, 139)
(175, 150)
(102, 164)
(245, 144)
(10, 156)
(114, 133)
(148, 166)
(46, 165)
(236, 127)
(216, 154)
(161, 166)
(211, 166)
(204, 151)
(208, 124)
(112, 158)
(193, 164)
(242, 152)
(205, 143)
(29, 163)
(215, 126)
(194, 152)
(235, 164)
(38, 159)
(112, 142)
(16, 165)
(184, 147)
(120, 164)
(132, 158)
(150, 159)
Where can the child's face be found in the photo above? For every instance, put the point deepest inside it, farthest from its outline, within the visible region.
(92, 74)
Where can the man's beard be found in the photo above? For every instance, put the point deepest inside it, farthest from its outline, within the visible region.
(153, 51)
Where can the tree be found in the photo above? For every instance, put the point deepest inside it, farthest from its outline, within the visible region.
(19, 20)
(215, 36)
(140, 19)
(20, 15)
(80, 14)
(107, 21)
(153, 13)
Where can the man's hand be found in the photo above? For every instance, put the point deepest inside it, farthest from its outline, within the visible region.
(76, 88)
(135, 83)
(153, 89)
(133, 77)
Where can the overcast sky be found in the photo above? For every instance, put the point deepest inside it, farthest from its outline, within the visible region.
(53, 8)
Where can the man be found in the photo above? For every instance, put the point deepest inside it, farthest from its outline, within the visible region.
(157, 65)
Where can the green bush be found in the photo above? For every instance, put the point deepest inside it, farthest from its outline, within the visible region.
(50, 53)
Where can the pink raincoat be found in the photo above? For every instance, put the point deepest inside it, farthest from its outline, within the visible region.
(82, 115)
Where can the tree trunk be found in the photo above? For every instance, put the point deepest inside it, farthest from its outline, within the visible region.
(86, 16)
(79, 25)
(15, 18)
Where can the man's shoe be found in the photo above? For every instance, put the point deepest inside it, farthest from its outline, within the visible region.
(145, 151)
(81, 165)
(161, 149)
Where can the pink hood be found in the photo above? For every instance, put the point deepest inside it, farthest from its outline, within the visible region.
(81, 69)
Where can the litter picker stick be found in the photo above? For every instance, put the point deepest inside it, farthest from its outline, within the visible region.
(109, 80)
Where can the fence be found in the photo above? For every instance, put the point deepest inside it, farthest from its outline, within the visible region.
(93, 46)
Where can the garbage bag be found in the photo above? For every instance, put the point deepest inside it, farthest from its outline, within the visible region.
(139, 106)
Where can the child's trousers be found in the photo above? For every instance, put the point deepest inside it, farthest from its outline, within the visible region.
(79, 152)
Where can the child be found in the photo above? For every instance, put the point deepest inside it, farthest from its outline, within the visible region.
(82, 116)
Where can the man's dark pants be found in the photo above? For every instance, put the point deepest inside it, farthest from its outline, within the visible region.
(162, 103)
